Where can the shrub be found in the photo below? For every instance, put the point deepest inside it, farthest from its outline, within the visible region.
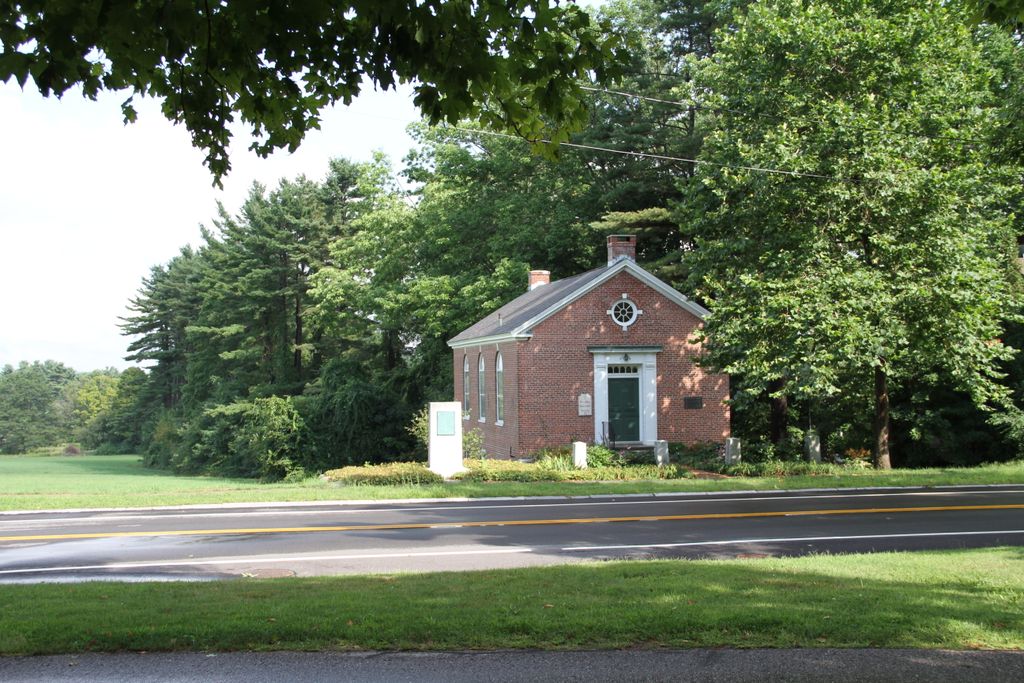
(782, 468)
(758, 451)
(857, 457)
(354, 416)
(698, 454)
(388, 474)
(265, 438)
(206, 439)
(473, 444)
(419, 429)
(506, 470)
(560, 459)
(551, 452)
(163, 443)
(556, 462)
(270, 439)
(628, 473)
(72, 449)
(45, 451)
(740, 469)
(602, 456)
(554, 466)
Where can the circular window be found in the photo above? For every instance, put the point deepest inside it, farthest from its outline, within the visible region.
(624, 313)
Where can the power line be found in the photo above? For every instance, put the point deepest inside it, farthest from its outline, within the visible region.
(660, 157)
(639, 97)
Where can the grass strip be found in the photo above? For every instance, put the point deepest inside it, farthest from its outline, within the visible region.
(40, 483)
(942, 599)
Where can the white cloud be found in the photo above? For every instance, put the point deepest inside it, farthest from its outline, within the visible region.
(89, 205)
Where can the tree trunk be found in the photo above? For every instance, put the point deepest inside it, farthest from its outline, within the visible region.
(391, 350)
(779, 406)
(297, 360)
(881, 447)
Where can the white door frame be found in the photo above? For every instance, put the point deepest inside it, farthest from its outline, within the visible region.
(647, 360)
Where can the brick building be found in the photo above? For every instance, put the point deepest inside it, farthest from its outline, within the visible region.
(604, 357)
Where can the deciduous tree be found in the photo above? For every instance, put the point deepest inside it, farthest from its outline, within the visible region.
(884, 250)
(274, 65)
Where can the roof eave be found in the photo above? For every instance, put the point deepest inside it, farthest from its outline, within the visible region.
(489, 339)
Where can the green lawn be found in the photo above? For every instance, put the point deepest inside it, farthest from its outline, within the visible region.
(950, 599)
(91, 481)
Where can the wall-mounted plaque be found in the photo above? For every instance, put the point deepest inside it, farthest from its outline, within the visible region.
(585, 404)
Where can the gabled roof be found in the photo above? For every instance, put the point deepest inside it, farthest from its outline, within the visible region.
(516, 319)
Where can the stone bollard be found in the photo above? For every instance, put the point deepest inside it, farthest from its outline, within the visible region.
(812, 446)
(661, 453)
(579, 454)
(732, 451)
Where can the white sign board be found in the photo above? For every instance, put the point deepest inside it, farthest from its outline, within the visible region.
(445, 446)
(585, 404)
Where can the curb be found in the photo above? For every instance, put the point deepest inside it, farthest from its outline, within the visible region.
(463, 499)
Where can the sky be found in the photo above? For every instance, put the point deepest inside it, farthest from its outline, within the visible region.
(88, 205)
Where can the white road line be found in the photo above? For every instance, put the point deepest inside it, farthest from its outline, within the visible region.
(740, 541)
(242, 561)
(265, 560)
(99, 517)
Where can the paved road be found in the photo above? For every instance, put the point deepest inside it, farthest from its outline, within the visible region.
(708, 666)
(316, 539)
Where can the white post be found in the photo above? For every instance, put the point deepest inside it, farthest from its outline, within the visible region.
(445, 443)
(661, 452)
(732, 451)
(579, 454)
(812, 444)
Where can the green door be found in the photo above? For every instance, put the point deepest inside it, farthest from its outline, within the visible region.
(624, 407)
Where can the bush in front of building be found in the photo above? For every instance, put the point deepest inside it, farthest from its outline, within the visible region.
(628, 473)
(785, 468)
(388, 474)
(554, 466)
(507, 470)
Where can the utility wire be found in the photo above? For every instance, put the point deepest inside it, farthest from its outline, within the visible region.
(640, 97)
(661, 157)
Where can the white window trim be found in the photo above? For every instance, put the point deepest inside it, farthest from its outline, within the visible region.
(466, 407)
(499, 396)
(481, 388)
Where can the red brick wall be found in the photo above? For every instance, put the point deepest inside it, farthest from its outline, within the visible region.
(555, 367)
(499, 440)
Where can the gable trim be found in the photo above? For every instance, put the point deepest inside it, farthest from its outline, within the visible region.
(634, 270)
(492, 339)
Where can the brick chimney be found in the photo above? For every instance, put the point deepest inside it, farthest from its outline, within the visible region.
(539, 278)
(621, 246)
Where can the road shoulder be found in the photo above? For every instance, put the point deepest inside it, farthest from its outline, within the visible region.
(796, 665)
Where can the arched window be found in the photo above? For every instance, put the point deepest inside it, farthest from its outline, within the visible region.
(499, 390)
(465, 385)
(481, 388)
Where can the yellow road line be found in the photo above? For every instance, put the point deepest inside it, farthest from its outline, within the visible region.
(507, 522)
